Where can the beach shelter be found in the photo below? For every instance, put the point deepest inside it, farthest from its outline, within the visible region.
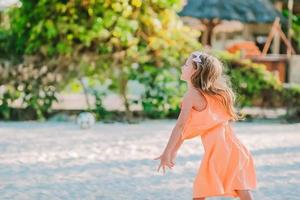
(212, 12)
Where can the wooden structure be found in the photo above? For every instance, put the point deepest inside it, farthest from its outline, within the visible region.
(276, 63)
(276, 28)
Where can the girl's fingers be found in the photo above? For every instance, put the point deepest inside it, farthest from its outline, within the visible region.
(164, 165)
(158, 167)
(170, 163)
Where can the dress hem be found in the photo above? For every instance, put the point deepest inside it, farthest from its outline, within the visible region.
(225, 194)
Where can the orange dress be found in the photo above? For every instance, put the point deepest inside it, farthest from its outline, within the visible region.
(227, 165)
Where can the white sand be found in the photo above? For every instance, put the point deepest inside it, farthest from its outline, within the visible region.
(114, 161)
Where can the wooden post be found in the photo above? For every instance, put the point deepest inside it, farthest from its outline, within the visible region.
(290, 8)
(210, 25)
(270, 37)
(277, 28)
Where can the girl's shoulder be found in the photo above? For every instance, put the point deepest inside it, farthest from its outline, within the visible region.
(197, 98)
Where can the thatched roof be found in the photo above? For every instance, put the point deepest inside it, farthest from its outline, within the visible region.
(247, 11)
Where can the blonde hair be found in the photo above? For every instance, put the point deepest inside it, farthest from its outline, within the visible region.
(210, 79)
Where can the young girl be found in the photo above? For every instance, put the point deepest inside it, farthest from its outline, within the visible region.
(207, 109)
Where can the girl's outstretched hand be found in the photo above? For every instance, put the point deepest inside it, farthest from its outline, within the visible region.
(165, 160)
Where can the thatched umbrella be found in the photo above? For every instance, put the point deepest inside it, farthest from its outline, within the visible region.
(211, 12)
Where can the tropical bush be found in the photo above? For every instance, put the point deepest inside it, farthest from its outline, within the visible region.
(291, 94)
(255, 86)
(96, 38)
(163, 91)
(30, 82)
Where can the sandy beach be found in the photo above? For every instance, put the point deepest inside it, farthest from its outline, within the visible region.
(58, 160)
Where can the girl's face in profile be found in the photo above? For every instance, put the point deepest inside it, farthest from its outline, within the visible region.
(187, 70)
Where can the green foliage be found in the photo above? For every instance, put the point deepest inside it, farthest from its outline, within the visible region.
(6, 96)
(32, 85)
(4, 37)
(163, 91)
(253, 84)
(99, 38)
(291, 95)
(295, 26)
(62, 27)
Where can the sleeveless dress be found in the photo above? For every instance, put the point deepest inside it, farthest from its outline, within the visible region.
(227, 165)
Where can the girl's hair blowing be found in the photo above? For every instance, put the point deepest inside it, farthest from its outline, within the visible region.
(210, 78)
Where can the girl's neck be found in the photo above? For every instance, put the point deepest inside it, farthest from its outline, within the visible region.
(189, 84)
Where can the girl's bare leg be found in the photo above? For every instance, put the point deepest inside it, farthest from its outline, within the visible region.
(244, 194)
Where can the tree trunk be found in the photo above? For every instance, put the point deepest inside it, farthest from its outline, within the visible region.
(123, 92)
(86, 95)
(210, 25)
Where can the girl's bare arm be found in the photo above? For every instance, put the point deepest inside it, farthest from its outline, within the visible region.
(177, 146)
(175, 139)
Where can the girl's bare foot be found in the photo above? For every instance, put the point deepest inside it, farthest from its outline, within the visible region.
(201, 198)
(244, 194)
